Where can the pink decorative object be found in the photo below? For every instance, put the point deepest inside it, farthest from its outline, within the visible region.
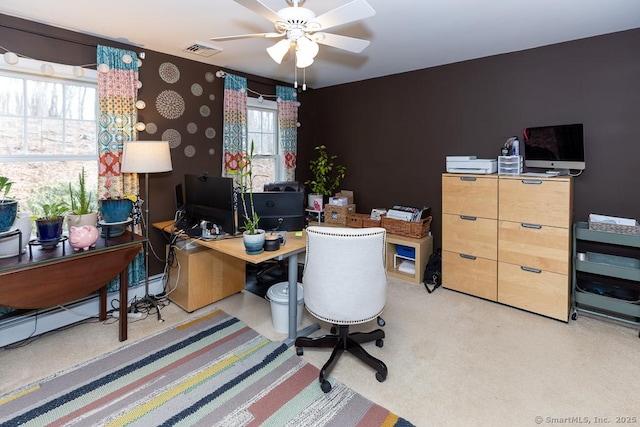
(83, 237)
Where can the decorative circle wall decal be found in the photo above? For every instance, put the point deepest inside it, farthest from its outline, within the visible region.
(173, 137)
(169, 72)
(170, 104)
(208, 76)
(212, 151)
(210, 133)
(212, 97)
(196, 89)
(192, 128)
(205, 111)
(189, 151)
(152, 128)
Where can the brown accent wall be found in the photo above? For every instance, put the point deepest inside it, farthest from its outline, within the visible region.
(393, 133)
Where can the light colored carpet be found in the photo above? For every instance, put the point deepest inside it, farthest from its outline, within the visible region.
(454, 360)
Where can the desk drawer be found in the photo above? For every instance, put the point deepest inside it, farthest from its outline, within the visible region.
(470, 235)
(541, 292)
(471, 275)
(542, 247)
(470, 195)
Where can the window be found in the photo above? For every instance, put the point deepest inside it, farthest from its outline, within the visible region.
(48, 130)
(262, 129)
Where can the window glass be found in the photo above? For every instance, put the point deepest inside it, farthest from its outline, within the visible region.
(262, 128)
(48, 132)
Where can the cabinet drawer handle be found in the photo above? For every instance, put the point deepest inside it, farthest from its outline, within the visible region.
(532, 181)
(531, 270)
(534, 226)
(468, 178)
(465, 256)
(468, 218)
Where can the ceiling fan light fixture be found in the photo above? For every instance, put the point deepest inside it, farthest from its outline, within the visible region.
(279, 50)
(303, 60)
(307, 47)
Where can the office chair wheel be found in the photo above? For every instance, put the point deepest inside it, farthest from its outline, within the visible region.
(326, 385)
(381, 321)
(379, 342)
(380, 377)
(299, 351)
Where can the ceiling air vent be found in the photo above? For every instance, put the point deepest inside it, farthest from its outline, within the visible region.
(202, 49)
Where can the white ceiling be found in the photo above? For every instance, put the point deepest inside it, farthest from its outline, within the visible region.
(405, 35)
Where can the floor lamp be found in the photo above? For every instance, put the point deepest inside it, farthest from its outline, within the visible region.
(146, 157)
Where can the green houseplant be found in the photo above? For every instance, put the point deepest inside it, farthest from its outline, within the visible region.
(8, 206)
(253, 237)
(49, 221)
(82, 208)
(326, 176)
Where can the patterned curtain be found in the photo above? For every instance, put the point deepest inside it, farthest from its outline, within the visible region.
(117, 95)
(287, 123)
(234, 139)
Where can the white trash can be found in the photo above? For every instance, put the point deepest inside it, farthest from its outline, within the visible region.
(278, 295)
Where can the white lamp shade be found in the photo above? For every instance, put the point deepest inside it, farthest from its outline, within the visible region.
(307, 47)
(302, 60)
(146, 157)
(279, 50)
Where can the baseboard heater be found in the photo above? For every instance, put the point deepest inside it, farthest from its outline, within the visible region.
(33, 323)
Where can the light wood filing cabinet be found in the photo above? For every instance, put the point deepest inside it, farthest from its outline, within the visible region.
(508, 239)
(534, 244)
(469, 234)
(203, 276)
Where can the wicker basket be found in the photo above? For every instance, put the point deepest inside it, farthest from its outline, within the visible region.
(369, 222)
(355, 220)
(414, 229)
(633, 230)
(334, 214)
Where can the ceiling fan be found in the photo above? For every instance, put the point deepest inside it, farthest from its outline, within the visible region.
(304, 30)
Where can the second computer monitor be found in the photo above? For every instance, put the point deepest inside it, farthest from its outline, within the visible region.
(278, 210)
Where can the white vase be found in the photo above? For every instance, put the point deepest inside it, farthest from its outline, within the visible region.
(80, 220)
(9, 246)
(315, 201)
(254, 243)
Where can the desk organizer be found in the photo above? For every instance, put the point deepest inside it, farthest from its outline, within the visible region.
(334, 214)
(414, 229)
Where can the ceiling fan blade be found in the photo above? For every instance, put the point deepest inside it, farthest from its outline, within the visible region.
(341, 42)
(353, 11)
(260, 8)
(244, 36)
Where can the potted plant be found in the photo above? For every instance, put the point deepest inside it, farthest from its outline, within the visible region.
(8, 206)
(49, 223)
(326, 177)
(252, 236)
(83, 210)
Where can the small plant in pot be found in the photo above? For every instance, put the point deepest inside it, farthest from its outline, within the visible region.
(326, 177)
(253, 237)
(49, 223)
(83, 209)
(8, 206)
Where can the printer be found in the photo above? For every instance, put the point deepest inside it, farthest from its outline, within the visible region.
(471, 164)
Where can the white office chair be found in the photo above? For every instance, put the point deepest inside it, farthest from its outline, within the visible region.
(345, 283)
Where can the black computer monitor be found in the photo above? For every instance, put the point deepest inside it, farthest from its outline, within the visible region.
(211, 199)
(278, 210)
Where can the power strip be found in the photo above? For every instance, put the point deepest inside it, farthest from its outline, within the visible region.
(116, 315)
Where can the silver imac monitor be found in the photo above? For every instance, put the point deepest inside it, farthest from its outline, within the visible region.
(558, 147)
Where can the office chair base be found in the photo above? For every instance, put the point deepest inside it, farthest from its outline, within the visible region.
(341, 342)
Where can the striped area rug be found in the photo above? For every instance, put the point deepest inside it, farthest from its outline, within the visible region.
(214, 371)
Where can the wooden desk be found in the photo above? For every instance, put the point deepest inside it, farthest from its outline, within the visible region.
(51, 279)
(235, 248)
